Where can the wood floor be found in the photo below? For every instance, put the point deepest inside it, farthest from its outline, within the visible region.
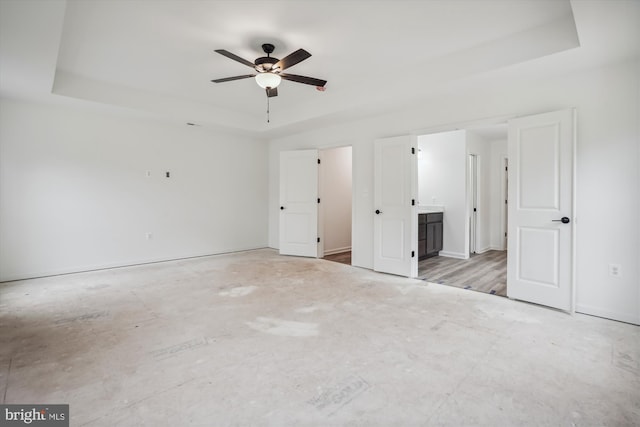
(486, 272)
(342, 257)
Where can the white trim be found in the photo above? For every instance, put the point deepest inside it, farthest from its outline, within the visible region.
(465, 124)
(606, 314)
(119, 264)
(472, 201)
(483, 250)
(337, 251)
(504, 210)
(321, 196)
(457, 255)
(414, 209)
(574, 231)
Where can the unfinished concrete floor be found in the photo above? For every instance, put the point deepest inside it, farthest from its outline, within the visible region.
(257, 339)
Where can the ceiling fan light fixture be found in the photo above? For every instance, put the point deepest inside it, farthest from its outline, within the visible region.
(267, 79)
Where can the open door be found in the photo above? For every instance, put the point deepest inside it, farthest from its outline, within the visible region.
(395, 224)
(541, 223)
(299, 203)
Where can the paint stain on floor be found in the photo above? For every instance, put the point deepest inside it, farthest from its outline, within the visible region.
(284, 328)
(239, 291)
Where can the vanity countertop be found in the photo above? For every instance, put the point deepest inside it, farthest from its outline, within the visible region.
(430, 209)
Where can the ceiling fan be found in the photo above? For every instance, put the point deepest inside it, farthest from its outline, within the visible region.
(269, 70)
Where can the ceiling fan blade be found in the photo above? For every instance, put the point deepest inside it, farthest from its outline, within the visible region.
(271, 92)
(302, 79)
(292, 59)
(235, 57)
(229, 79)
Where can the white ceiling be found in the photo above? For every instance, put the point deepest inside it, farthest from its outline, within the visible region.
(157, 57)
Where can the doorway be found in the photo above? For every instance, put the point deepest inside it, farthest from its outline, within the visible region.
(462, 173)
(335, 204)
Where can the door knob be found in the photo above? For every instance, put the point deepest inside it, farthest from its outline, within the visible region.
(378, 211)
(563, 220)
(281, 208)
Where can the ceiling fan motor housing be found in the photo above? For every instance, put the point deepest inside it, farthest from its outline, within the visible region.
(265, 63)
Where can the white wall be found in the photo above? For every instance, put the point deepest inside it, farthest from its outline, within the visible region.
(74, 194)
(608, 164)
(482, 149)
(335, 194)
(442, 181)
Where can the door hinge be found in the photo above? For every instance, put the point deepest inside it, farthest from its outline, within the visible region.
(318, 199)
(475, 210)
(506, 168)
(413, 150)
(318, 161)
(413, 202)
(413, 254)
(505, 234)
(318, 240)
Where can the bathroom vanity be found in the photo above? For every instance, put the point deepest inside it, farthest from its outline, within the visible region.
(429, 232)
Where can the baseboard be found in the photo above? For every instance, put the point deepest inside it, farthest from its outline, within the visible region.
(457, 255)
(483, 250)
(121, 264)
(337, 251)
(599, 312)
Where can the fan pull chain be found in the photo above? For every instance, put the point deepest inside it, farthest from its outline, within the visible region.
(267, 109)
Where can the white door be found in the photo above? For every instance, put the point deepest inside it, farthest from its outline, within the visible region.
(540, 230)
(395, 223)
(299, 203)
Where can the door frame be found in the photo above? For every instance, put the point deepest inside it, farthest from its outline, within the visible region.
(322, 195)
(472, 202)
(320, 217)
(504, 217)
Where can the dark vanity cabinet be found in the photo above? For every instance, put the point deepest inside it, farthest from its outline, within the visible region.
(429, 234)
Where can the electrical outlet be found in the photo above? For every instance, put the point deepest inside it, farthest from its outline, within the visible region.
(615, 270)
